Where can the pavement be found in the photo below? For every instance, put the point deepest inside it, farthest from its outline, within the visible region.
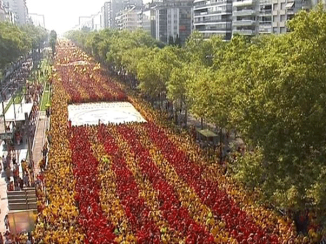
(39, 140)
(21, 153)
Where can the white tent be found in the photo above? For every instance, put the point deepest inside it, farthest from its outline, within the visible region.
(20, 110)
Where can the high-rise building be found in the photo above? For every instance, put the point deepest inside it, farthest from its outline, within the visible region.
(9, 15)
(284, 10)
(213, 17)
(127, 19)
(104, 13)
(245, 17)
(111, 8)
(19, 8)
(2, 12)
(144, 19)
(171, 20)
(97, 19)
(37, 19)
(85, 22)
(265, 17)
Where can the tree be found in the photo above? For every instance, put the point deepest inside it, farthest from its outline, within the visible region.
(171, 42)
(147, 74)
(53, 40)
(279, 109)
(14, 42)
(177, 87)
(177, 41)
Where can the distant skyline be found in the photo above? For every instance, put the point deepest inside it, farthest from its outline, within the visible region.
(63, 15)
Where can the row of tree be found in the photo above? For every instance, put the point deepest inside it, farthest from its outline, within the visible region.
(270, 88)
(17, 41)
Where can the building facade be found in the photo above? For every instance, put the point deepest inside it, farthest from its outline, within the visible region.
(213, 17)
(245, 17)
(127, 19)
(284, 10)
(37, 19)
(144, 19)
(2, 12)
(171, 19)
(85, 22)
(97, 20)
(265, 17)
(20, 10)
(105, 14)
(112, 8)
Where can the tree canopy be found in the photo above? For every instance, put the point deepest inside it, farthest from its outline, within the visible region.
(269, 88)
(16, 41)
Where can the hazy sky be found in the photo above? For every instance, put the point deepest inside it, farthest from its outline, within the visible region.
(62, 15)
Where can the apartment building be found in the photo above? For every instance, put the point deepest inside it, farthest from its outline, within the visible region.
(109, 11)
(144, 19)
(284, 10)
(245, 17)
(37, 19)
(20, 10)
(2, 12)
(85, 22)
(265, 17)
(97, 20)
(112, 8)
(127, 19)
(171, 19)
(213, 17)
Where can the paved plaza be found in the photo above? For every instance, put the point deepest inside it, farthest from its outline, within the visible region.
(91, 113)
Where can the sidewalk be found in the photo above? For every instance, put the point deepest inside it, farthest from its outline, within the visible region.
(21, 153)
(39, 140)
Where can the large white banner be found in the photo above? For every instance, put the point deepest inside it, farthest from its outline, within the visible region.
(114, 112)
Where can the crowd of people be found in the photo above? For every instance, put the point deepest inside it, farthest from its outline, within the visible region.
(20, 174)
(138, 182)
(83, 80)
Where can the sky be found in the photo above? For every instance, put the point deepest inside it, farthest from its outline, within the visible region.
(63, 15)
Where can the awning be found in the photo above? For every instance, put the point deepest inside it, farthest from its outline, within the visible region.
(289, 5)
(20, 110)
(207, 133)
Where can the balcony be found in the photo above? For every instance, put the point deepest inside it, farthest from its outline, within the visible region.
(200, 13)
(243, 3)
(244, 23)
(265, 29)
(208, 21)
(265, 12)
(208, 4)
(244, 32)
(224, 12)
(248, 12)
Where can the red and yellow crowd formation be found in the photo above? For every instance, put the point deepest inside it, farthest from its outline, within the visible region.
(136, 182)
(81, 78)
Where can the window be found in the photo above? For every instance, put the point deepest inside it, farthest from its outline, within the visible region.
(282, 5)
(275, 6)
(283, 29)
(282, 18)
(266, 19)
